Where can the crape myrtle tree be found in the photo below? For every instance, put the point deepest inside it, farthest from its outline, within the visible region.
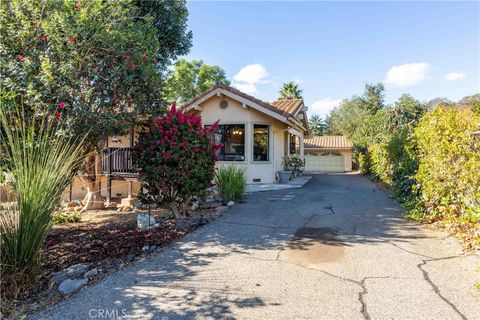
(96, 66)
(176, 159)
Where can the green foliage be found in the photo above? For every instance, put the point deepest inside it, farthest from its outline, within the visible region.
(66, 217)
(231, 181)
(449, 158)
(190, 78)
(290, 90)
(42, 163)
(294, 163)
(176, 159)
(317, 125)
(96, 64)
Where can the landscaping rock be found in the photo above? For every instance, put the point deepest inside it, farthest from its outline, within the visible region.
(75, 271)
(183, 224)
(90, 274)
(200, 221)
(125, 209)
(195, 206)
(221, 208)
(146, 221)
(230, 203)
(71, 285)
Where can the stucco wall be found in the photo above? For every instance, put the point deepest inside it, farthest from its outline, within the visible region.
(236, 114)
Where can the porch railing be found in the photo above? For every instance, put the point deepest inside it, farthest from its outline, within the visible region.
(118, 161)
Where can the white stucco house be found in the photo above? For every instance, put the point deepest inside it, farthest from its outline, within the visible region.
(254, 134)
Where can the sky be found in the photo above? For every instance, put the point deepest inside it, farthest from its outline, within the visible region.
(332, 49)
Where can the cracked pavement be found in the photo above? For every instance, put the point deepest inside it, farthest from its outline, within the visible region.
(337, 249)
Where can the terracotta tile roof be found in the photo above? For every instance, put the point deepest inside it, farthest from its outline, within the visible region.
(328, 142)
(290, 106)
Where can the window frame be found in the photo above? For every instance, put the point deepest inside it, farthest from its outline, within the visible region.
(268, 142)
(223, 137)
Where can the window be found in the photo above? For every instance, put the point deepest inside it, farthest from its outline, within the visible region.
(260, 142)
(294, 144)
(231, 137)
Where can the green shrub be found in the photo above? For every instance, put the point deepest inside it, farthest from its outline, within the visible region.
(449, 161)
(42, 163)
(230, 181)
(66, 217)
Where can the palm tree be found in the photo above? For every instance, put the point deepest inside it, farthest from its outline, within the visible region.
(318, 126)
(290, 90)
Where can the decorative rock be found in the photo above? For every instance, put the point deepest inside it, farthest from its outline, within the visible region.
(221, 208)
(128, 202)
(90, 274)
(75, 271)
(145, 248)
(200, 221)
(195, 206)
(183, 224)
(230, 203)
(146, 221)
(71, 285)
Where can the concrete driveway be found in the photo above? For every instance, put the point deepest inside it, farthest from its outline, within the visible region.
(335, 249)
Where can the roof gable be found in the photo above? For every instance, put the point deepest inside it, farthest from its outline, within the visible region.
(280, 111)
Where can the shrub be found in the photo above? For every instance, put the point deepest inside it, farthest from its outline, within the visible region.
(42, 163)
(449, 160)
(176, 160)
(295, 164)
(66, 217)
(231, 181)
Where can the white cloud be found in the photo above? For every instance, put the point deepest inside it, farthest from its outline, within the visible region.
(250, 75)
(407, 74)
(324, 106)
(454, 76)
(248, 88)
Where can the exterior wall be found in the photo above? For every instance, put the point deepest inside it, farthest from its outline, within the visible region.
(236, 114)
(346, 153)
(119, 189)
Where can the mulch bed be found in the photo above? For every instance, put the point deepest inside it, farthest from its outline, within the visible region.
(106, 239)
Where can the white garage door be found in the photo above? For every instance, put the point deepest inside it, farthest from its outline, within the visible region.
(331, 162)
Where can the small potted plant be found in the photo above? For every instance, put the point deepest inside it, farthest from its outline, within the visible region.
(286, 174)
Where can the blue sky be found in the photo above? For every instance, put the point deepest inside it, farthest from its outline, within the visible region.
(427, 49)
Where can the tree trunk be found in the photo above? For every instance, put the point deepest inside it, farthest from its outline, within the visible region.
(176, 211)
(89, 174)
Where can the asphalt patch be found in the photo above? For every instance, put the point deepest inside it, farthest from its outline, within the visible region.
(312, 246)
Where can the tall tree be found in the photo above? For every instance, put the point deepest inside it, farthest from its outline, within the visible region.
(95, 65)
(190, 78)
(318, 126)
(290, 90)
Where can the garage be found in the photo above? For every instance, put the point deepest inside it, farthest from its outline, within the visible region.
(325, 161)
(328, 154)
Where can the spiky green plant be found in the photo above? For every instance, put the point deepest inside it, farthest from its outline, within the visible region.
(230, 181)
(42, 163)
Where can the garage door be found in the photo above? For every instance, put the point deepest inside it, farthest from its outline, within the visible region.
(331, 162)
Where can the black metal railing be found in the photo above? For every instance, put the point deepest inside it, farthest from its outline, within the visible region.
(118, 161)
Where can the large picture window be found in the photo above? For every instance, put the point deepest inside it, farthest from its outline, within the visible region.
(231, 137)
(260, 142)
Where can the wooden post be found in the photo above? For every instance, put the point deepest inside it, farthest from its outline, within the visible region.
(107, 158)
(130, 189)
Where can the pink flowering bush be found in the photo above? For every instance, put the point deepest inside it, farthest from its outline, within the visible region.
(176, 159)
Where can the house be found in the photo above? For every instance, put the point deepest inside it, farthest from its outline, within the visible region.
(328, 154)
(253, 134)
